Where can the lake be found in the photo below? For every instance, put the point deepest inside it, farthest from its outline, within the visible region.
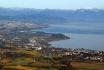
(88, 41)
(83, 35)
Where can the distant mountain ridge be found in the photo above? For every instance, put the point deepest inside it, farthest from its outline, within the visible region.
(52, 16)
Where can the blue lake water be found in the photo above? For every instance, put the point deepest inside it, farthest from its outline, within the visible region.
(88, 41)
(83, 35)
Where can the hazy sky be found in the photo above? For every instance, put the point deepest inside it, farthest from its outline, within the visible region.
(53, 4)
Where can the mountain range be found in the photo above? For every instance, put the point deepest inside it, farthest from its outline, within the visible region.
(52, 15)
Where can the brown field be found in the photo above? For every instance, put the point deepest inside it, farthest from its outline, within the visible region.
(91, 65)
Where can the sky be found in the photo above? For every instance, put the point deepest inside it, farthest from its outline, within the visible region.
(53, 4)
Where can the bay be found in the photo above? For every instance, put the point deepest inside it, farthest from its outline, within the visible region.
(87, 41)
(82, 35)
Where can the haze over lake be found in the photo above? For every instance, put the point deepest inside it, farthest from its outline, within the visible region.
(83, 35)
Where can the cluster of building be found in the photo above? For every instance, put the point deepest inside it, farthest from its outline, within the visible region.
(31, 43)
(84, 55)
